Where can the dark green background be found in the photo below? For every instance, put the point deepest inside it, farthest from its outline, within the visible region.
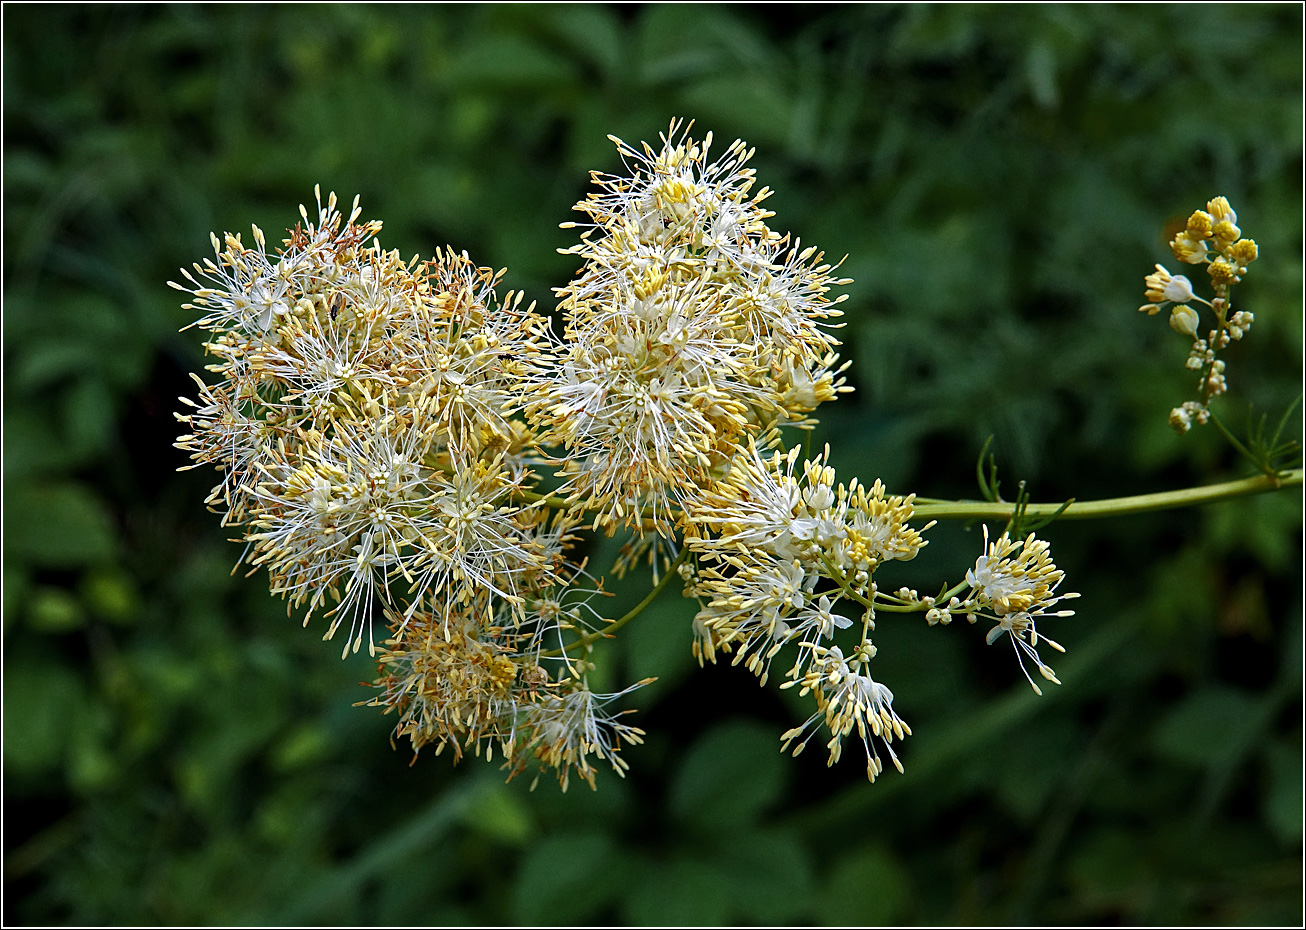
(177, 750)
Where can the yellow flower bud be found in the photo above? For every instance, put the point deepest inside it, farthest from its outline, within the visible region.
(1220, 210)
(1188, 249)
(1244, 251)
(1221, 272)
(1226, 231)
(1200, 225)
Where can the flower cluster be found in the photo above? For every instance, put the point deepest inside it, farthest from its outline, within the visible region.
(1013, 584)
(384, 428)
(691, 326)
(778, 555)
(1210, 237)
(846, 696)
(363, 421)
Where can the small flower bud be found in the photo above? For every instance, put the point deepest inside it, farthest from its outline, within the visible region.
(1200, 225)
(1220, 210)
(1226, 231)
(1183, 319)
(1188, 249)
(1244, 251)
(1221, 272)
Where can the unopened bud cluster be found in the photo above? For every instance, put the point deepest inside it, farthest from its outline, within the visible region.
(1210, 237)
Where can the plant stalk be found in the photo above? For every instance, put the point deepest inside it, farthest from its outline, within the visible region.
(630, 615)
(1114, 506)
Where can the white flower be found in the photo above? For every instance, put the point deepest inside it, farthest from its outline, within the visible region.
(1179, 289)
(563, 728)
(847, 697)
(760, 504)
(751, 610)
(1014, 583)
(691, 326)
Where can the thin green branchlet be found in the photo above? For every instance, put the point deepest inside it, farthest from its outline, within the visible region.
(420, 460)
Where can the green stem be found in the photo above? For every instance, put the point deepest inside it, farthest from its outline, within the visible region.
(939, 509)
(629, 615)
(1242, 450)
(838, 577)
(901, 608)
(1115, 506)
(920, 606)
(531, 497)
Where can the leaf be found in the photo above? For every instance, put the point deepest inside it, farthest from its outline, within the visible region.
(32, 447)
(565, 879)
(729, 776)
(590, 31)
(1211, 726)
(509, 62)
(56, 526)
(111, 594)
(15, 588)
(1267, 526)
(756, 100)
(92, 764)
(1282, 804)
(500, 814)
(308, 744)
(771, 877)
(686, 42)
(686, 891)
(41, 699)
(1041, 71)
(54, 610)
(868, 887)
(88, 416)
(1110, 869)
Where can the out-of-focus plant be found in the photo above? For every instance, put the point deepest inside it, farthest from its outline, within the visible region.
(385, 431)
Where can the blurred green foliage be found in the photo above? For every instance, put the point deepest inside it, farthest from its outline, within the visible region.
(178, 751)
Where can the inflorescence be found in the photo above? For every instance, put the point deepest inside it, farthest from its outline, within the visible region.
(403, 447)
(1210, 237)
